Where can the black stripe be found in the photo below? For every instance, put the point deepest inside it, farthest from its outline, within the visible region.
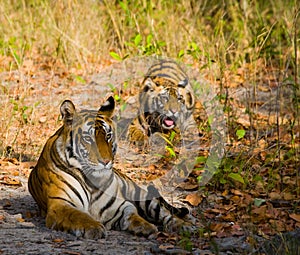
(108, 205)
(35, 192)
(61, 198)
(117, 224)
(137, 192)
(180, 212)
(116, 213)
(124, 188)
(147, 205)
(60, 178)
(60, 164)
(157, 211)
(170, 218)
(173, 77)
(175, 70)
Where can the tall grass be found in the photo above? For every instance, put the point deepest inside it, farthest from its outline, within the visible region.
(249, 38)
(82, 32)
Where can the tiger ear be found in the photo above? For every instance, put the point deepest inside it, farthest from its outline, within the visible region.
(183, 83)
(189, 100)
(67, 111)
(108, 107)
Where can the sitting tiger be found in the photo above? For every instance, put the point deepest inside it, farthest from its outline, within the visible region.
(78, 190)
(166, 102)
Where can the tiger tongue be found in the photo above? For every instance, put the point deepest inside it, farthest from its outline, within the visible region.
(169, 122)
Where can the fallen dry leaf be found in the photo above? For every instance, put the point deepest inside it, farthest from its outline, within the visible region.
(188, 186)
(237, 192)
(278, 225)
(235, 199)
(228, 217)
(274, 196)
(166, 246)
(295, 217)
(58, 240)
(10, 181)
(194, 199)
(288, 196)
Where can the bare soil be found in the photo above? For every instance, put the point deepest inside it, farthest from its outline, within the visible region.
(23, 231)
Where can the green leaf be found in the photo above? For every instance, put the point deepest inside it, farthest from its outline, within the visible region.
(171, 151)
(149, 39)
(180, 54)
(111, 86)
(16, 56)
(236, 177)
(80, 79)
(222, 181)
(24, 108)
(240, 133)
(172, 136)
(259, 201)
(115, 55)
(194, 46)
(117, 98)
(210, 119)
(123, 6)
(201, 159)
(137, 39)
(123, 107)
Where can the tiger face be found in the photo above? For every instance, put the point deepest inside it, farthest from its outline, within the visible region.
(89, 136)
(165, 105)
(166, 102)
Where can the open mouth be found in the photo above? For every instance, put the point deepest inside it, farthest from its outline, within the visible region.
(168, 123)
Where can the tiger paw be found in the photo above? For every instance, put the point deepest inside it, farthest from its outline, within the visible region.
(75, 222)
(90, 232)
(177, 224)
(140, 226)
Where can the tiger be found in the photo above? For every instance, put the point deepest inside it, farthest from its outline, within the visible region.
(79, 191)
(166, 102)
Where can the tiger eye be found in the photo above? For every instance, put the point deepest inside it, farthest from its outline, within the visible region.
(108, 136)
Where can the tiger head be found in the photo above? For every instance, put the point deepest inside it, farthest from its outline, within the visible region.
(166, 105)
(89, 136)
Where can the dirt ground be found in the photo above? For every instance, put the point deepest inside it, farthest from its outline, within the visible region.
(22, 231)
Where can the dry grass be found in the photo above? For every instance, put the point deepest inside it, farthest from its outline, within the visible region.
(232, 42)
(83, 32)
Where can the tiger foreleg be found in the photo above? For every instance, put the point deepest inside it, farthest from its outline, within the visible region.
(139, 226)
(137, 135)
(132, 222)
(176, 224)
(157, 210)
(64, 217)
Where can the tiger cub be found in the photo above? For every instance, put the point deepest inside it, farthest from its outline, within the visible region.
(166, 102)
(78, 190)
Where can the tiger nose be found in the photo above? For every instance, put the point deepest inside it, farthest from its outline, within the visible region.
(106, 161)
(173, 110)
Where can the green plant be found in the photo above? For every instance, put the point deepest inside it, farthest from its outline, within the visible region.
(230, 173)
(185, 241)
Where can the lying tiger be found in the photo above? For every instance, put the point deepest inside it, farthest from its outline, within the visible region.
(166, 102)
(78, 190)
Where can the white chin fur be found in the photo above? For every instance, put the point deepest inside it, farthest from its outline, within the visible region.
(167, 127)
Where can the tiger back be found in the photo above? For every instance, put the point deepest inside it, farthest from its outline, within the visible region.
(79, 191)
(166, 102)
